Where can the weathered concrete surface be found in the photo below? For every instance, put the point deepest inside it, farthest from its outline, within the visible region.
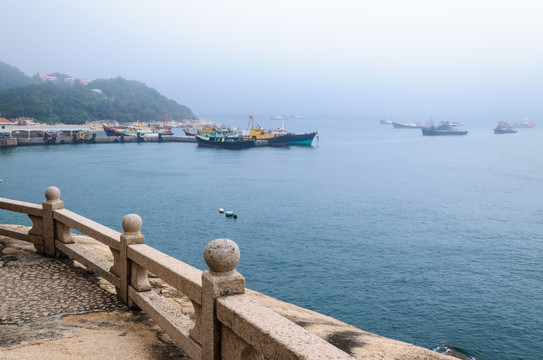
(51, 309)
(115, 332)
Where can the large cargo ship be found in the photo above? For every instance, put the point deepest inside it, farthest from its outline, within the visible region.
(444, 128)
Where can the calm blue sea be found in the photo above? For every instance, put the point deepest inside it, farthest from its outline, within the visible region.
(433, 241)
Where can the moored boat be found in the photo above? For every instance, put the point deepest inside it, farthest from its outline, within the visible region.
(274, 137)
(504, 128)
(189, 132)
(280, 136)
(135, 130)
(224, 138)
(444, 128)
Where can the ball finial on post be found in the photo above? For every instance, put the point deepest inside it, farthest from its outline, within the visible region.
(221, 255)
(132, 223)
(52, 193)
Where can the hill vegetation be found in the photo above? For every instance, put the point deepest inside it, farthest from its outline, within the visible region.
(74, 103)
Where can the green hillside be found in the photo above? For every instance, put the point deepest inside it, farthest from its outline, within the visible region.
(55, 101)
(10, 77)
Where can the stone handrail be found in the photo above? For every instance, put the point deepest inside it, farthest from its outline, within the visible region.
(227, 324)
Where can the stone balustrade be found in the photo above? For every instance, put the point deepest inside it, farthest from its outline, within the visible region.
(227, 324)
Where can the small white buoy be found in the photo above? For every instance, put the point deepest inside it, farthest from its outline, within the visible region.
(229, 213)
(221, 210)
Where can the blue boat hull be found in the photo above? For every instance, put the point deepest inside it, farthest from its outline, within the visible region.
(299, 139)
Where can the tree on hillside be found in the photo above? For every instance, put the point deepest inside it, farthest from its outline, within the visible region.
(11, 77)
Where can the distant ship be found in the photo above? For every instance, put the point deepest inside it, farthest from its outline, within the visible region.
(444, 128)
(527, 123)
(504, 128)
(409, 125)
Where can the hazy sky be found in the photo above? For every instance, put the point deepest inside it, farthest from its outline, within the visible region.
(460, 59)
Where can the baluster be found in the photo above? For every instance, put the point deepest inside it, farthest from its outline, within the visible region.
(129, 273)
(52, 203)
(222, 256)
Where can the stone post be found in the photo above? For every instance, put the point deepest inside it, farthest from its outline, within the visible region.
(130, 273)
(222, 256)
(52, 203)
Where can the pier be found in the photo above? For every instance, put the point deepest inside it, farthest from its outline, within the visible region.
(23, 135)
(224, 320)
(25, 141)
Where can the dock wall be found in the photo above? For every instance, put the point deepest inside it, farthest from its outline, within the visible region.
(96, 140)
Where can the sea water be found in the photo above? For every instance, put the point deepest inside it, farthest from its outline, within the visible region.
(436, 241)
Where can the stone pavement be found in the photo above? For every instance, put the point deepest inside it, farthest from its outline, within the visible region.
(33, 286)
(51, 309)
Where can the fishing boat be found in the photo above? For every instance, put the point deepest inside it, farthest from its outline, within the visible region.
(504, 128)
(189, 132)
(444, 128)
(274, 137)
(526, 123)
(385, 121)
(409, 125)
(135, 130)
(279, 136)
(224, 138)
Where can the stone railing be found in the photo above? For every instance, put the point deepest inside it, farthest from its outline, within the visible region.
(227, 324)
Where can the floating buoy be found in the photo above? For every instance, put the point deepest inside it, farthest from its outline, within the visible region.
(235, 216)
(221, 210)
(229, 213)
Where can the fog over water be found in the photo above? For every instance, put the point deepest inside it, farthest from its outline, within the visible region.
(462, 60)
(432, 241)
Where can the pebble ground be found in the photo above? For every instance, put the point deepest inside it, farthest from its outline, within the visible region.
(33, 287)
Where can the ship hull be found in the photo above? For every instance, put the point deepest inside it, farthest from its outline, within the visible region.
(227, 144)
(397, 125)
(504, 131)
(299, 139)
(430, 132)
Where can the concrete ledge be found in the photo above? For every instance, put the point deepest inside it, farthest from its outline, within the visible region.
(256, 324)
